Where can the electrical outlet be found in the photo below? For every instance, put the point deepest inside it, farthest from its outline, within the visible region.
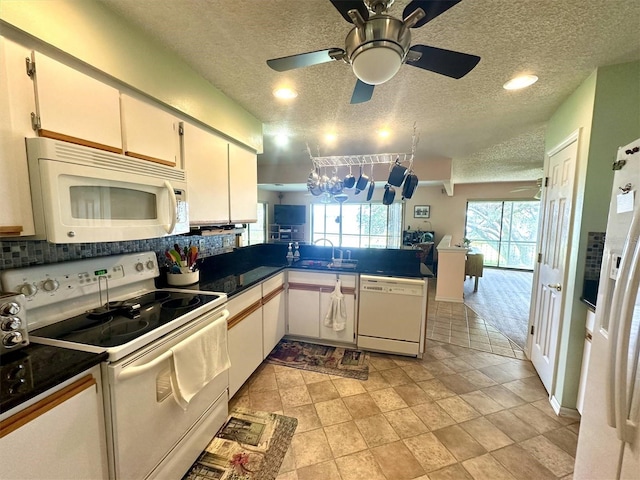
(227, 241)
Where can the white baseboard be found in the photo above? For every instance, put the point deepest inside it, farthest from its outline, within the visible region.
(563, 411)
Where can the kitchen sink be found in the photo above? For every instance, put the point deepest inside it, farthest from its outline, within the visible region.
(336, 264)
(348, 264)
(314, 263)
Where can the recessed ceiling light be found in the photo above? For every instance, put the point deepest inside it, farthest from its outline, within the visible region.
(282, 139)
(519, 82)
(330, 137)
(285, 93)
(384, 133)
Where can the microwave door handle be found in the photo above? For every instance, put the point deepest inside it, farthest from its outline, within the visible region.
(173, 214)
(626, 428)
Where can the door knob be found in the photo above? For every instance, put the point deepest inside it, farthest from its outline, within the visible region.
(557, 286)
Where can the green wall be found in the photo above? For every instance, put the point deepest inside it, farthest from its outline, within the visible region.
(606, 108)
(93, 34)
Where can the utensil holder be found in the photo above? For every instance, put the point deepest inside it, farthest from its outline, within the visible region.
(182, 279)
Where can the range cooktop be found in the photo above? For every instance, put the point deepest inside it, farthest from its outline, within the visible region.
(120, 322)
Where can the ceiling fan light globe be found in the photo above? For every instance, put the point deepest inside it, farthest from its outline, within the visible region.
(376, 65)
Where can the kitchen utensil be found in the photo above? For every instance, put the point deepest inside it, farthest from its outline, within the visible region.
(397, 173)
(193, 256)
(169, 256)
(176, 256)
(362, 182)
(336, 184)
(410, 184)
(349, 181)
(389, 194)
(313, 183)
(372, 186)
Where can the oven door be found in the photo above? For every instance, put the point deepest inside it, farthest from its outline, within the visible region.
(150, 435)
(88, 204)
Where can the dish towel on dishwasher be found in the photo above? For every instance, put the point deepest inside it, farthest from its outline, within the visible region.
(337, 315)
(197, 360)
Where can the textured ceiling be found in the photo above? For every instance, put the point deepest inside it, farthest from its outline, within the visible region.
(490, 133)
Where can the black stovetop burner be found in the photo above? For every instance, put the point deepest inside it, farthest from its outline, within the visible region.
(120, 322)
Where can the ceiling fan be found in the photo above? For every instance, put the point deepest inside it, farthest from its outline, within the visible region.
(379, 44)
(537, 188)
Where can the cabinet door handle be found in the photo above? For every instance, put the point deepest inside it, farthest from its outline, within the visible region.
(555, 286)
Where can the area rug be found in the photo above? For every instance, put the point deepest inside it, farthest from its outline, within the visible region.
(249, 446)
(344, 362)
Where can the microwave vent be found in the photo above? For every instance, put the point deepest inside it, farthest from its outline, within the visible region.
(98, 158)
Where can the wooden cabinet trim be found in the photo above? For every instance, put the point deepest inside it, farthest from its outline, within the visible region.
(43, 406)
(11, 229)
(150, 159)
(271, 295)
(320, 288)
(236, 319)
(77, 141)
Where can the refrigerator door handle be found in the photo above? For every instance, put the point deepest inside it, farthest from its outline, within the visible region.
(612, 391)
(625, 427)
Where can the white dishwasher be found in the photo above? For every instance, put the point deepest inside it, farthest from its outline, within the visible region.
(392, 314)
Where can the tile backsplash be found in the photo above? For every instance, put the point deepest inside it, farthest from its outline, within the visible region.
(25, 253)
(593, 262)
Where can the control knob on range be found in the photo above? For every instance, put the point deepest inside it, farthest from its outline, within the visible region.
(139, 266)
(28, 289)
(10, 308)
(50, 285)
(12, 323)
(11, 339)
(150, 264)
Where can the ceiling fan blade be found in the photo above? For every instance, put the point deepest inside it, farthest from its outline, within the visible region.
(432, 8)
(343, 6)
(305, 59)
(445, 62)
(362, 92)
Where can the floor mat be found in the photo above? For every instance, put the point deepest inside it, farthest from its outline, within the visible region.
(321, 358)
(250, 446)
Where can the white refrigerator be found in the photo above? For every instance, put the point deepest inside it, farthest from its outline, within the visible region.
(609, 438)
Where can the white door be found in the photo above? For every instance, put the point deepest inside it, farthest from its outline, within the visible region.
(554, 249)
(303, 313)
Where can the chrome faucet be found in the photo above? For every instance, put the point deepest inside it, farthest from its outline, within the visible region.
(332, 247)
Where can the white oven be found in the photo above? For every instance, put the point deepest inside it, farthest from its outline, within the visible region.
(151, 436)
(81, 194)
(157, 423)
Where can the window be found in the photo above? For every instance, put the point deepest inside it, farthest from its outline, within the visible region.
(256, 232)
(363, 224)
(505, 232)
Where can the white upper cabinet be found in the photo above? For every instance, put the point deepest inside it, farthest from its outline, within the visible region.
(222, 179)
(75, 107)
(149, 132)
(16, 102)
(207, 169)
(243, 185)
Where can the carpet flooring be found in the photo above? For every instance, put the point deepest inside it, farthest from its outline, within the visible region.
(502, 300)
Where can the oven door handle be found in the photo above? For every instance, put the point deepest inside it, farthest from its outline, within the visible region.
(131, 372)
(174, 207)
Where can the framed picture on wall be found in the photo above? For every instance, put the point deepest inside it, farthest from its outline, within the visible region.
(422, 211)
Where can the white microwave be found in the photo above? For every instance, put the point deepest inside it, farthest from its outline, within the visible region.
(82, 195)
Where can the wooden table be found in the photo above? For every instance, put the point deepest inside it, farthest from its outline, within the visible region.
(474, 266)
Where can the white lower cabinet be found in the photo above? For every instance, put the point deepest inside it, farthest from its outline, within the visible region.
(309, 299)
(273, 312)
(59, 436)
(244, 336)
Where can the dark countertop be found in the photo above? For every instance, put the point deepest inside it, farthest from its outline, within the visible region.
(237, 271)
(34, 369)
(590, 293)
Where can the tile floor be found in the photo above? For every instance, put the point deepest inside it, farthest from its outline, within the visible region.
(457, 324)
(458, 413)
